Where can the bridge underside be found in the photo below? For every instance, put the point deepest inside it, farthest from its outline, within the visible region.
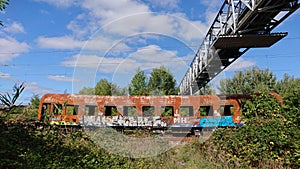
(247, 41)
(239, 26)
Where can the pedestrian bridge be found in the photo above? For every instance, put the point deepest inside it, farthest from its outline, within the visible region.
(238, 26)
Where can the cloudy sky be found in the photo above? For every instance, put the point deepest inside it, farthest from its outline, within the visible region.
(63, 45)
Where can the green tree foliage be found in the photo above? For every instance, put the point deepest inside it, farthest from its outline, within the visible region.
(251, 81)
(35, 101)
(162, 82)
(105, 88)
(208, 90)
(268, 140)
(87, 91)
(138, 85)
(3, 5)
(271, 136)
(289, 90)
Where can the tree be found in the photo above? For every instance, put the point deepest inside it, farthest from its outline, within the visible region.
(105, 88)
(289, 89)
(119, 91)
(138, 86)
(251, 81)
(35, 101)
(161, 82)
(87, 91)
(3, 5)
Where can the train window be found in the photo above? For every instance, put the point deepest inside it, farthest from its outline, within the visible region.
(57, 108)
(226, 110)
(206, 111)
(148, 110)
(90, 110)
(186, 111)
(167, 111)
(129, 111)
(72, 109)
(110, 111)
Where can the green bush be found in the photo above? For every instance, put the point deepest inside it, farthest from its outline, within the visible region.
(268, 140)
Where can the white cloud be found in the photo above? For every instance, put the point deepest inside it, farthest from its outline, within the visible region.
(14, 28)
(115, 20)
(122, 69)
(104, 65)
(59, 3)
(110, 10)
(102, 12)
(103, 43)
(82, 61)
(37, 89)
(147, 58)
(239, 64)
(167, 4)
(174, 26)
(62, 78)
(110, 22)
(68, 42)
(153, 54)
(212, 8)
(63, 42)
(11, 48)
(127, 17)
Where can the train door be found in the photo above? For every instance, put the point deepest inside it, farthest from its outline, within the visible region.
(45, 111)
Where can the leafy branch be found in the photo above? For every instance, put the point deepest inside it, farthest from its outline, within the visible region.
(8, 99)
(3, 4)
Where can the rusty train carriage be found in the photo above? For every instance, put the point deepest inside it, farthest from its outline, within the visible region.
(140, 111)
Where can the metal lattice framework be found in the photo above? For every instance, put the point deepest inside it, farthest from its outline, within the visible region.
(238, 26)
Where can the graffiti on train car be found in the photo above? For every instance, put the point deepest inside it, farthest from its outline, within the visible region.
(98, 121)
(218, 121)
(159, 112)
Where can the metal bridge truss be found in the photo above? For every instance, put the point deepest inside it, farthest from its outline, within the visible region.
(238, 26)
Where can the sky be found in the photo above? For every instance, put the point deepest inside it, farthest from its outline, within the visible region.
(61, 46)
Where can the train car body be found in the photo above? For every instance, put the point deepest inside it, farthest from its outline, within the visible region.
(156, 112)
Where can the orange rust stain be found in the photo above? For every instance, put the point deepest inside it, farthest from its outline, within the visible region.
(139, 101)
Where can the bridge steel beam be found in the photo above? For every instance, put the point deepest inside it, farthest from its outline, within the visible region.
(238, 26)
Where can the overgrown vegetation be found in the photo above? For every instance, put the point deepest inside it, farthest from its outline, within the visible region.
(269, 139)
(36, 145)
(271, 136)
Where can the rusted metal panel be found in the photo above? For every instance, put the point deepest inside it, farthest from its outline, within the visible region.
(97, 105)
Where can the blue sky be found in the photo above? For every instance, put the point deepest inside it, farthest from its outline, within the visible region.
(63, 45)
